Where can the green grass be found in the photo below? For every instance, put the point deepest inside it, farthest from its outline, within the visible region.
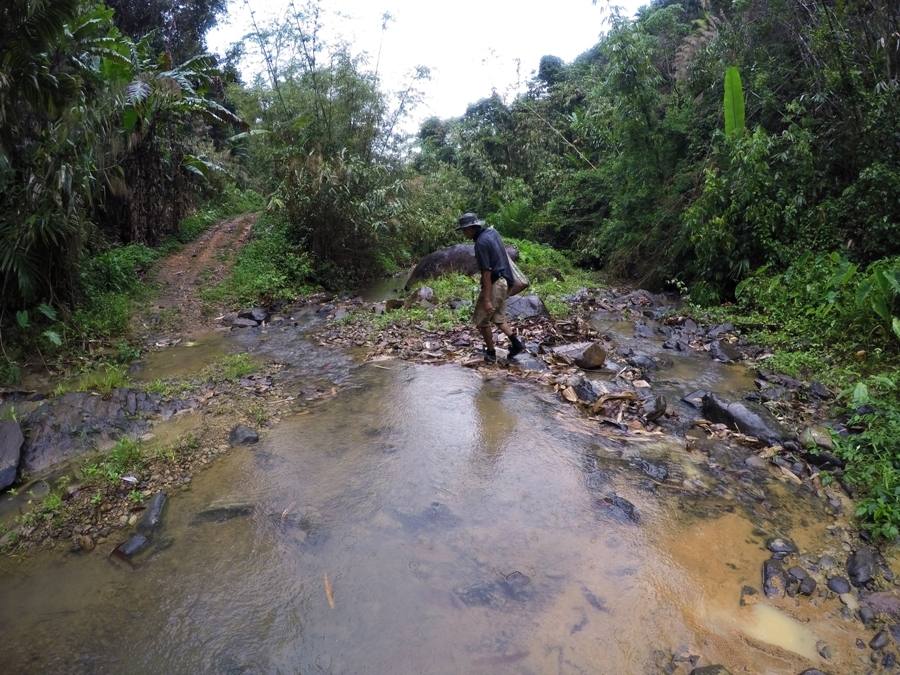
(125, 457)
(169, 389)
(230, 368)
(268, 269)
(101, 380)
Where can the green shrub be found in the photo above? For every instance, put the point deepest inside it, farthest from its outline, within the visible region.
(126, 456)
(101, 380)
(269, 268)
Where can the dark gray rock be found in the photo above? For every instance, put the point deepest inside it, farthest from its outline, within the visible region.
(218, 513)
(655, 408)
(695, 398)
(525, 307)
(813, 671)
(656, 471)
(642, 330)
(11, 442)
(808, 586)
(880, 641)
(723, 351)
(257, 314)
(423, 297)
(719, 330)
(711, 670)
(798, 573)
(889, 660)
(781, 545)
(452, 259)
(819, 390)
(620, 508)
(517, 586)
(642, 361)
(67, 426)
(748, 595)
(884, 602)
(241, 435)
(774, 581)
(861, 566)
(244, 323)
(152, 517)
(839, 585)
(675, 344)
(758, 422)
(866, 615)
(135, 544)
(585, 391)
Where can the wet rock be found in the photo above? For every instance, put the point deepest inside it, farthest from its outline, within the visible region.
(711, 670)
(823, 649)
(525, 307)
(584, 389)
(153, 514)
(880, 641)
(620, 508)
(218, 513)
(813, 671)
(838, 585)
(642, 330)
(774, 581)
(676, 345)
(781, 545)
(808, 586)
(482, 594)
(861, 566)
(719, 330)
(436, 515)
(458, 258)
(889, 660)
(135, 544)
(866, 615)
(723, 352)
(67, 426)
(517, 586)
(241, 435)
(244, 323)
(758, 423)
(885, 602)
(816, 436)
(257, 314)
(592, 358)
(11, 442)
(695, 398)
(85, 543)
(642, 361)
(657, 472)
(656, 409)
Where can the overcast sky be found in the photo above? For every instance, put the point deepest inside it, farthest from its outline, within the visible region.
(471, 46)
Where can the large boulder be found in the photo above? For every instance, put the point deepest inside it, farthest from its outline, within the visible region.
(587, 355)
(753, 422)
(525, 307)
(11, 440)
(459, 258)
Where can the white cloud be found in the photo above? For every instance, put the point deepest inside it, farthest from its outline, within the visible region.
(471, 46)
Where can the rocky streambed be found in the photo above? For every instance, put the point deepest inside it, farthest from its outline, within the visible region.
(636, 493)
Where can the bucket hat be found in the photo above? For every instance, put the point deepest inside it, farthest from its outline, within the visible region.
(468, 220)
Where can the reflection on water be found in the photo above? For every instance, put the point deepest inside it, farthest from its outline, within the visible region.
(457, 523)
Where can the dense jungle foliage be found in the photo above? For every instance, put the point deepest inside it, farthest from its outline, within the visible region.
(744, 152)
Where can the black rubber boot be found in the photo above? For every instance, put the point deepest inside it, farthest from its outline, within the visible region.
(515, 346)
(490, 355)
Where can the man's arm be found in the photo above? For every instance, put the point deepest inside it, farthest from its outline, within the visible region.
(486, 291)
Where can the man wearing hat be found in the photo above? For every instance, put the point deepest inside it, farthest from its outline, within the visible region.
(496, 278)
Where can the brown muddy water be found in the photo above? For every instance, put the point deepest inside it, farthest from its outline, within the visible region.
(427, 520)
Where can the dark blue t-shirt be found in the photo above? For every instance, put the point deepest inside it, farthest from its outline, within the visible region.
(491, 255)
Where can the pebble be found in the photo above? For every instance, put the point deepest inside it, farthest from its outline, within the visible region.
(880, 640)
(839, 585)
(850, 601)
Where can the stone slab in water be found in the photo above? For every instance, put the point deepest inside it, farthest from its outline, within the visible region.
(257, 314)
(135, 544)
(753, 422)
(11, 441)
(218, 513)
(242, 435)
(152, 517)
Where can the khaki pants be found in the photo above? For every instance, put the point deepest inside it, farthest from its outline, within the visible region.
(499, 293)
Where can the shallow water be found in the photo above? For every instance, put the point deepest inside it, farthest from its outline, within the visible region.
(457, 524)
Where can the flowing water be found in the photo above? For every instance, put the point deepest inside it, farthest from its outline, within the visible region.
(428, 520)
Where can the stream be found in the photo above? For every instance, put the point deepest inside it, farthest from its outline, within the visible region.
(436, 519)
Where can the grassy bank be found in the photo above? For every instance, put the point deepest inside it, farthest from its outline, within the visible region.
(829, 320)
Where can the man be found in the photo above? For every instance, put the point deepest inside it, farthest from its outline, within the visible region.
(496, 278)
